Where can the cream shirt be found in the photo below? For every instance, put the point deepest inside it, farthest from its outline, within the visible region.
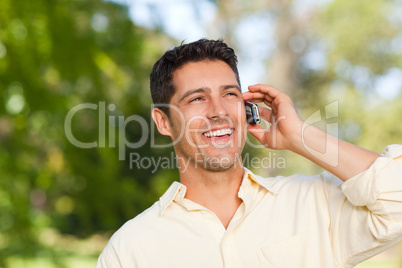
(295, 221)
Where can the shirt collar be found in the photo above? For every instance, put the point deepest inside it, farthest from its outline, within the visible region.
(267, 184)
(177, 190)
(167, 198)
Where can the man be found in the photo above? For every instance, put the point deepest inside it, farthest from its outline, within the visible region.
(221, 214)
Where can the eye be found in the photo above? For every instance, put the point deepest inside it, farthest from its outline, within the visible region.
(232, 94)
(197, 99)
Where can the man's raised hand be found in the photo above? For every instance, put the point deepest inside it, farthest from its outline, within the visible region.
(286, 124)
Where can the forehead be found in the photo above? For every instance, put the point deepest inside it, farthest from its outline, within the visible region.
(203, 74)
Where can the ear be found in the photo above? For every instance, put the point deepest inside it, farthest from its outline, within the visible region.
(162, 122)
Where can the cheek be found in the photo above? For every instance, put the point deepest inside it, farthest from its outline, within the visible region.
(196, 125)
(177, 126)
(237, 111)
(195, 118)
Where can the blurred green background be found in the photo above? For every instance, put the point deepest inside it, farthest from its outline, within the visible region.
(60, 203)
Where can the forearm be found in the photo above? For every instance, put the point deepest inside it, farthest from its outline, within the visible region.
(341, 158)
(288, 131)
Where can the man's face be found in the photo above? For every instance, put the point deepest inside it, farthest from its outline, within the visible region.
(207, 115)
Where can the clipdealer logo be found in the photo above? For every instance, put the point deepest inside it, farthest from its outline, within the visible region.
(122, 123)
(147, 130)
(117, 125)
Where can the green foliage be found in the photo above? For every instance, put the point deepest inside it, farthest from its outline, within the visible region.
(360, 44)
(55, 55)
(360, 33)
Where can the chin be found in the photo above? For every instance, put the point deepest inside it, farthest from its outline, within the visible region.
(218, 163)
(213, 167)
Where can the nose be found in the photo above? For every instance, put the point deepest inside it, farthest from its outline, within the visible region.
(217, 109)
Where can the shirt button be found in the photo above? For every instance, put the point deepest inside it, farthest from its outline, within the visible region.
(224, 244)
(203, 212)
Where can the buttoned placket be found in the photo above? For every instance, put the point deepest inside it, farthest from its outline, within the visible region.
(230, 254)
(226, 237)
(228, 242)
(210, 218)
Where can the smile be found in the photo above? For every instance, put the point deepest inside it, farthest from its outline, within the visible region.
(218, 133)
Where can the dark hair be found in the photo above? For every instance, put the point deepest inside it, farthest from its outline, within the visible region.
(162, 86)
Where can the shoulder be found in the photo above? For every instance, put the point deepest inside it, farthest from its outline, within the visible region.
(323, 184)
(135, 231)
(145, 229)
(128, 239)
(301, 180)
(139, 225)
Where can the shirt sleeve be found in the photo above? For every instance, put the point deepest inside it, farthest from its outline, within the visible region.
(366, 216)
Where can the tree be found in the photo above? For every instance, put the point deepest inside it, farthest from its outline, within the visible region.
(55, 55)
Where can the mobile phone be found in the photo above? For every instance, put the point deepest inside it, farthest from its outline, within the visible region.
(252, 113)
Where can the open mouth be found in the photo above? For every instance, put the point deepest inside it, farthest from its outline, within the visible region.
(218, 133)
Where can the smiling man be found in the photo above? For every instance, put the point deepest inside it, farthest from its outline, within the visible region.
(222, 215)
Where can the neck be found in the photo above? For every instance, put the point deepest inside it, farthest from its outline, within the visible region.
(215, 190)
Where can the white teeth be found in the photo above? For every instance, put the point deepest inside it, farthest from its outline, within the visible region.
(220, 132)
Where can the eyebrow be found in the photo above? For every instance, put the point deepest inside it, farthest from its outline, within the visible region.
(226, 87)
(198, 90)
(206, 89)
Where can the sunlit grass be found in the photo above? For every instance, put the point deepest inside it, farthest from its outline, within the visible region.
(70, 252)
(68, 262)
(90, 261)
(390, 258)
(63, 251)
(379, 264)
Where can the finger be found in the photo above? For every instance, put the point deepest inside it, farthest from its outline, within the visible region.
(257, 97)
(269, 90)
(266, 113)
